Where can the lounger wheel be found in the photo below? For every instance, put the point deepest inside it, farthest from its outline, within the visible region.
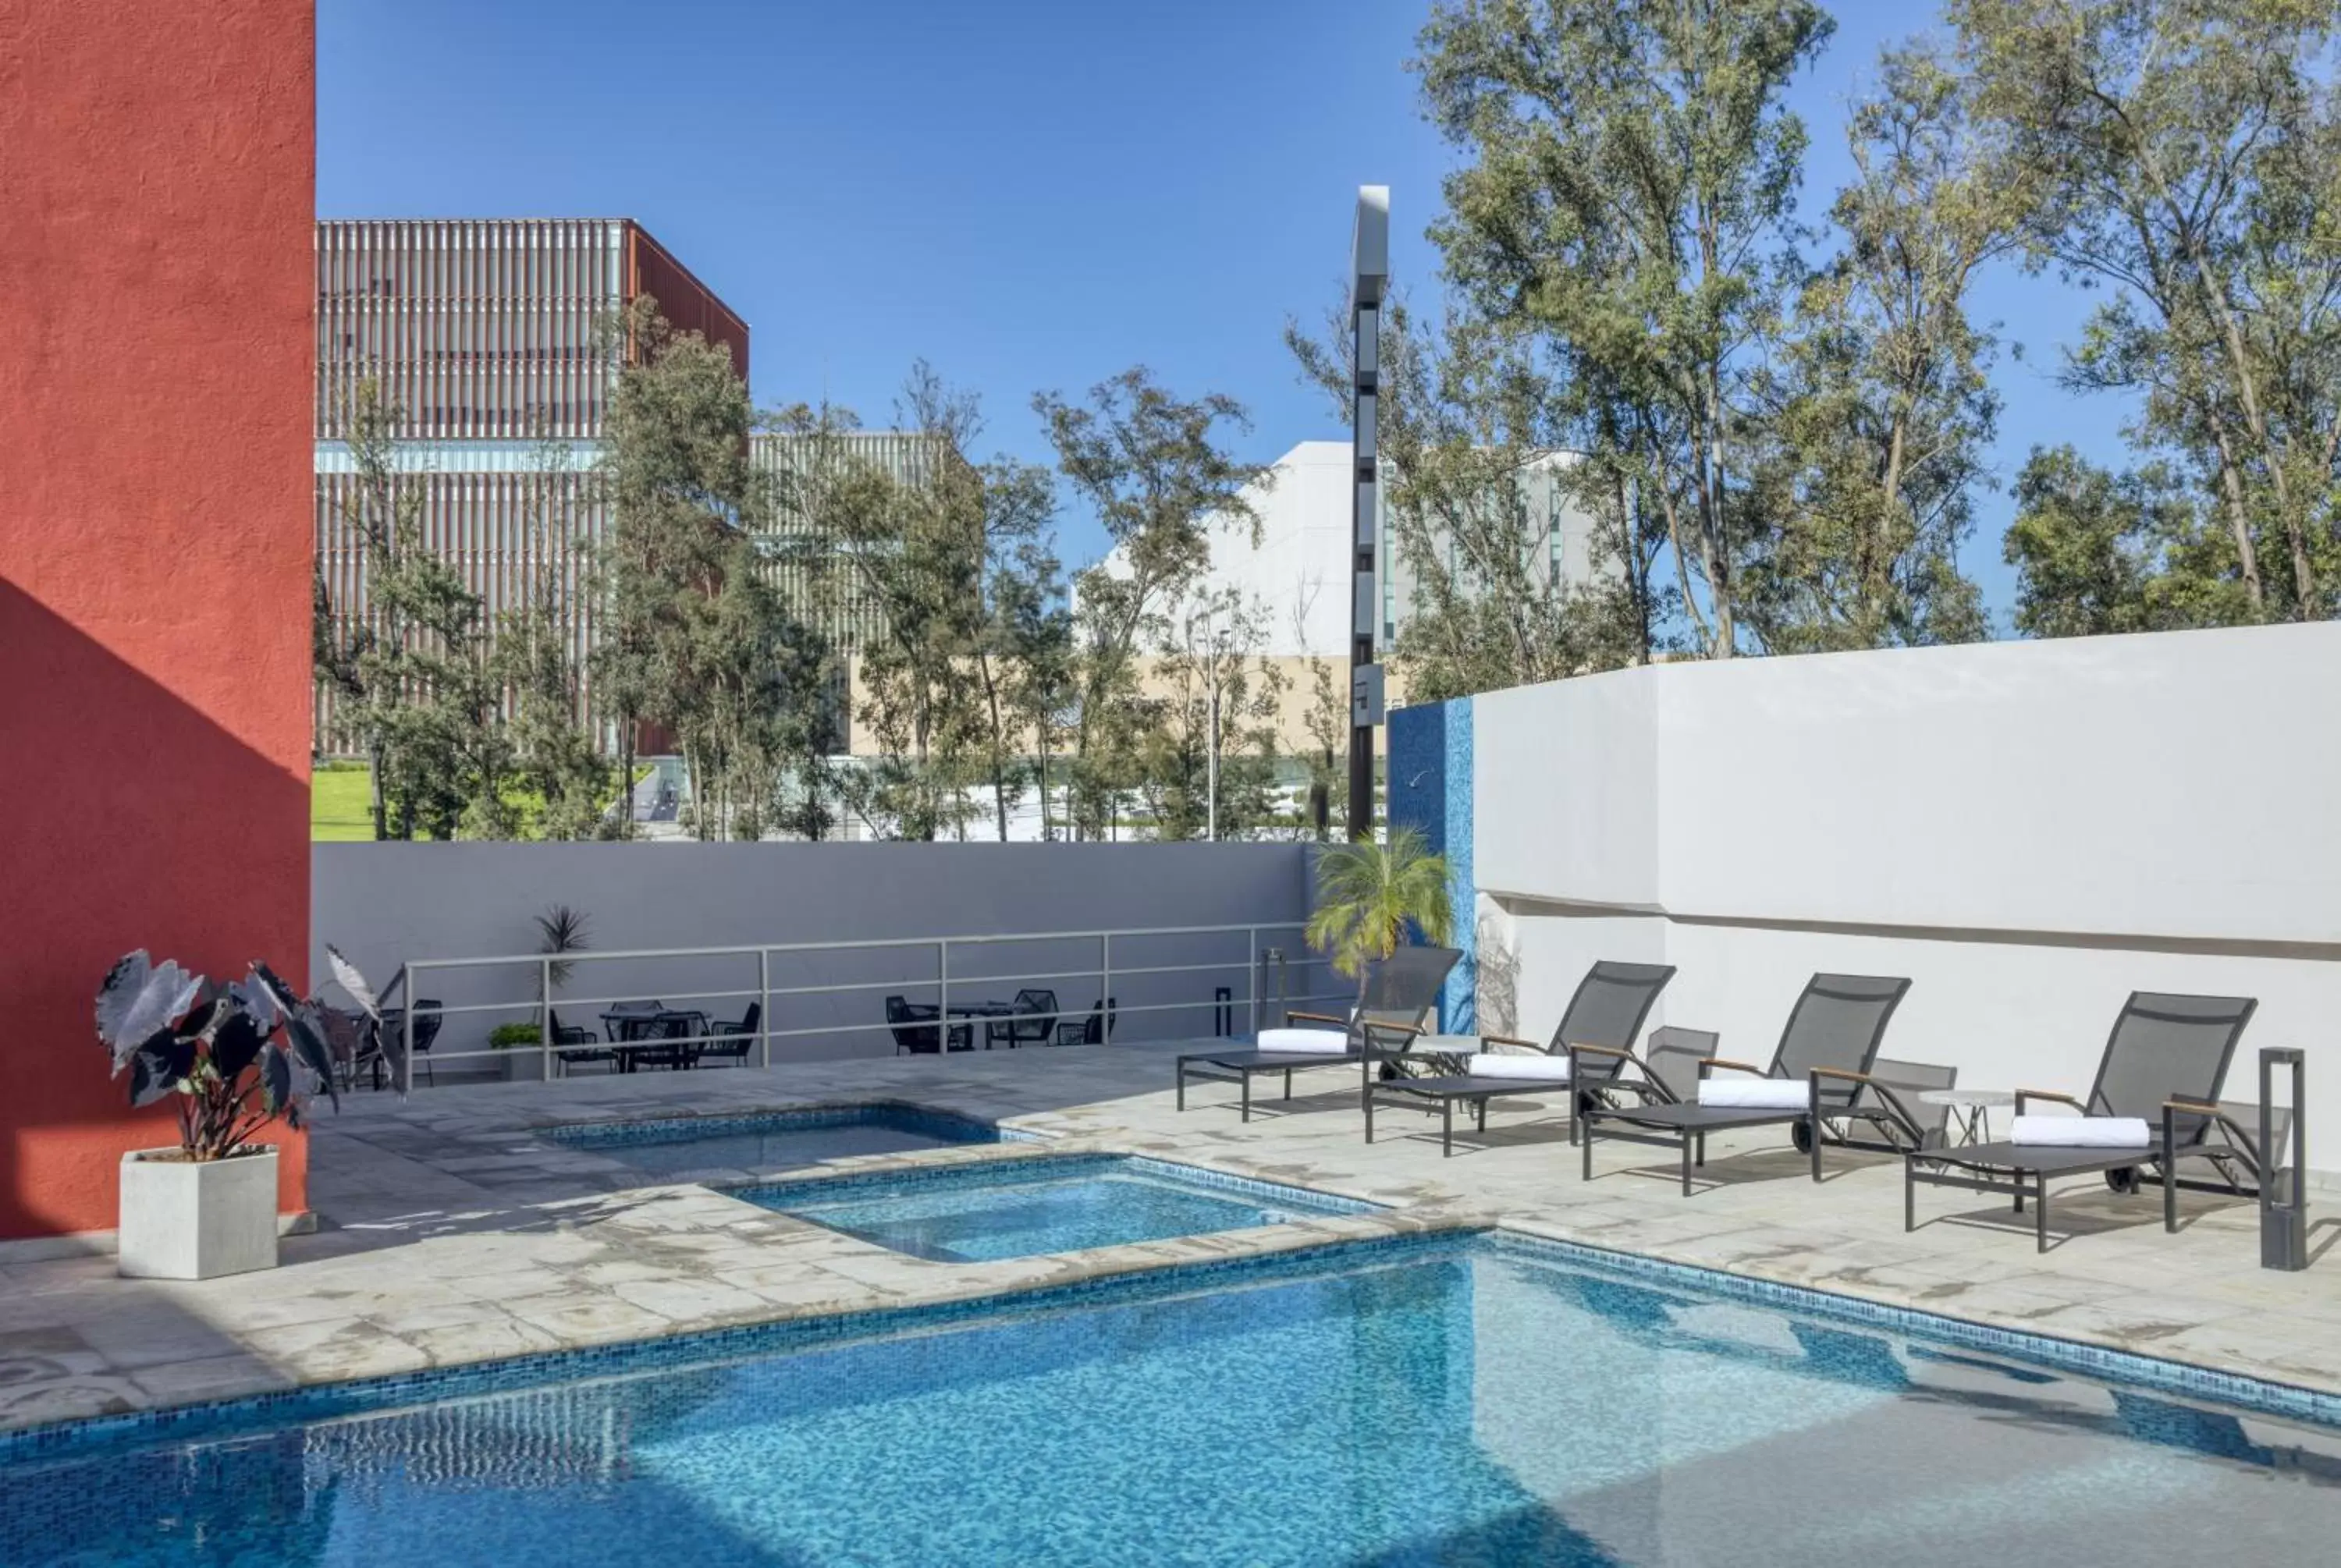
(2123, 1179)
(1801, 1135)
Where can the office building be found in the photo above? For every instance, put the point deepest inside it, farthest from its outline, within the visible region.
(495, 340)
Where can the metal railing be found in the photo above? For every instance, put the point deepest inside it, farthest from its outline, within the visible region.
(1285, 956)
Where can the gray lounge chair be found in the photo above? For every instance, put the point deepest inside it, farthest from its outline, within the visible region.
(1398, 994)
(1829, 1044)
(2164, 1063)
(1608, 1010)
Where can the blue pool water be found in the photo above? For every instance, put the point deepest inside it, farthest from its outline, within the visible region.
(1462, 1403)
(780, 1140)
(1019, 1208)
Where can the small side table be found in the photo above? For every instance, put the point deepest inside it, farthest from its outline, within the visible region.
(1970, 1110)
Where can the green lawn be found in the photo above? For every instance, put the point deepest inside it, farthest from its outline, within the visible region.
(341, 796)
(340, 804)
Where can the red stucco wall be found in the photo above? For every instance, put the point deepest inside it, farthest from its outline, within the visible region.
(157, 166)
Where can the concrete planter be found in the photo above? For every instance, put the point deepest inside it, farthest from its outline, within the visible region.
(523, 1064)
(187, 1219)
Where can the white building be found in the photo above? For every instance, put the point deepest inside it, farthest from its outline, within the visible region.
(1296, 568)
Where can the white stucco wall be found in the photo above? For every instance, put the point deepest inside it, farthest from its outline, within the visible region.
(2029, 830)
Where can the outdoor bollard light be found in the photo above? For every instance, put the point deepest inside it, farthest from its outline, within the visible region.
(1223, 1010)
(2284, 1190)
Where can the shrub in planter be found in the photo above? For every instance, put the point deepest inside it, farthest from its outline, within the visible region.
(232, 1059)
(513, 1036)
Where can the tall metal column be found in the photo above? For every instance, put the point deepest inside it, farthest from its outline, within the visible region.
(1368, 274)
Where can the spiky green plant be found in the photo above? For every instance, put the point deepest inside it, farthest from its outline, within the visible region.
(1369, 893)
(563, 929)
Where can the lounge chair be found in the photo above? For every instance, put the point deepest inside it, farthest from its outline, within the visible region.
(1398, 994)
(1608, 1010)
(1826, 1052)
(2164, 1066)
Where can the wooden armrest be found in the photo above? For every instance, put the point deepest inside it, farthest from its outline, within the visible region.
(2197, 1105)
(2024, 1095)
(1512, 1040)
(1604, 1051)
(1851, 1077)
(1318, 1018)
(1705, 1062)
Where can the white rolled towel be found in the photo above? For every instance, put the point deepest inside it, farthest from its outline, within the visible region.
(1542, 1069)
(1745, 1094)
(2081, 1132)
(1305, 1042)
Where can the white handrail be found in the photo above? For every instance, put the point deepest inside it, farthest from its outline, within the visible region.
(765, 992)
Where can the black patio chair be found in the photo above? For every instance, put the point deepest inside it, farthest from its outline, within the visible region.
(917, 1029)
(1031, 1023)
(1397, 998)
(1608, 1010)
(1828, 1047)
(733, 1038)
(575, 1046)
(428, 1017)
(1093, 1030)
(2164, 1064)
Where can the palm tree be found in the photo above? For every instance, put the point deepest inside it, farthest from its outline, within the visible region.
(1369, 893)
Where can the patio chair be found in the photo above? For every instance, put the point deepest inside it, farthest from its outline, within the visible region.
(1608, 1010)
(2164, 1065)
(1032, 1023)
(681, 1028)
(734, 1038)
(1398, 995)
(1832, 1031)
(427, 1019)
(576, 1047)
(917, 1029)
(1094, 1030)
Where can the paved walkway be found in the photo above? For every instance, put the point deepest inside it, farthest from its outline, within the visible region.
(450, 1232)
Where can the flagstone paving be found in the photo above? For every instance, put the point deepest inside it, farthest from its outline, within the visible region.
(449, 1232)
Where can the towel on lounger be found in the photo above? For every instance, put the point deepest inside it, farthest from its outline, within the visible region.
(1490, 1065)
(2081, 1132)
(1305, 1042)
(1745, 1094)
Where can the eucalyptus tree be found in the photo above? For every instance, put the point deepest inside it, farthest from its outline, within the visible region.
(692, 624)
(1628, 188)
(2098, 552)
(1209, 758)
(1474, 429)
(1152, 468)
(556, 758)
(413, 666)
(2187, 146)
(1880, 411)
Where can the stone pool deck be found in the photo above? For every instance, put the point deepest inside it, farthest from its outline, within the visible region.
(450, 1232)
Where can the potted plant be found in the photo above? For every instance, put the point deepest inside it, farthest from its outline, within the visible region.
(232, 1059)
(559, 929)
(522, 1045)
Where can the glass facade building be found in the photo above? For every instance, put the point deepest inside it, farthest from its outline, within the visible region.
(496, 342)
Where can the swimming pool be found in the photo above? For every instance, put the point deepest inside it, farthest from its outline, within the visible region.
(1056, 1203)
(1423, 1401)
(775, 1140)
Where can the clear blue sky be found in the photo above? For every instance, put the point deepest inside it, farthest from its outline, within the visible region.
(1028, 194)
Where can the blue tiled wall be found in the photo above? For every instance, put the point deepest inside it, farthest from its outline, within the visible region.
(1430, 792)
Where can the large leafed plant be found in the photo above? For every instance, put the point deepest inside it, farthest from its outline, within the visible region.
(231, 1058)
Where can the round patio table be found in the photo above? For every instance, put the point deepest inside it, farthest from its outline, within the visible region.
(1970, 1109)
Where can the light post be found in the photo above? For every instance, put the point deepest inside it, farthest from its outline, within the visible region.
(1212, 663)
(1369, 275)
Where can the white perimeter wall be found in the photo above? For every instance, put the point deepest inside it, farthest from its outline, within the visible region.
(385, 905)
(2029, 830)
